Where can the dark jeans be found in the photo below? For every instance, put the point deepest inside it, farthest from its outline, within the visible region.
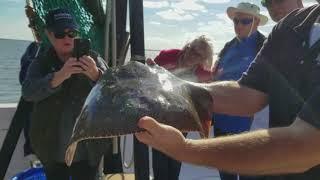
(113, 162)
(77, 171)
(227, 176)
(164, 167)
(27, 145)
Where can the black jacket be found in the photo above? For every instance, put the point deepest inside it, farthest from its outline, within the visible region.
(56, 110)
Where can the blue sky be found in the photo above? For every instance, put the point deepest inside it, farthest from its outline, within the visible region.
(168, 24)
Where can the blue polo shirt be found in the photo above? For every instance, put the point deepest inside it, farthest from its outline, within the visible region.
(235, 61)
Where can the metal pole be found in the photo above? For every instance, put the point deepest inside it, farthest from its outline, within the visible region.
(137, 30)
(106, 58)
(107, 31)
(114, 59)
(141, 151)
(122, 34)
(116, 10)
(114, 34)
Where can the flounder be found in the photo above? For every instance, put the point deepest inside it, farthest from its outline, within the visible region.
(125, 94)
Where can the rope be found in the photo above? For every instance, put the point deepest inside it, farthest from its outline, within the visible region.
(252, 24)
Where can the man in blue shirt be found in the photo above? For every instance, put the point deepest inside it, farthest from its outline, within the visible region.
(233, 60)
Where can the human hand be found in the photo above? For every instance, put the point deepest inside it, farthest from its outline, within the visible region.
(164, 138)
(71, 66)
(89, 67)
(150, 62)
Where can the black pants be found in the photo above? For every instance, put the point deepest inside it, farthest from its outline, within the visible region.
(77, 171)
(164, 167)
(113, 162)
(27, 145)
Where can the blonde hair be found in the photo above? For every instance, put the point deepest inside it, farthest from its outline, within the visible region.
(205, 43)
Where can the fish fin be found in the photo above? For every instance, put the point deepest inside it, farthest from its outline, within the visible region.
(70, 153)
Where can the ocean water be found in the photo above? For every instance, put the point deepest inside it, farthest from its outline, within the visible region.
(10, 54)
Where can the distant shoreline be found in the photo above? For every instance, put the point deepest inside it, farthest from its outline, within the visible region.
(6, 39)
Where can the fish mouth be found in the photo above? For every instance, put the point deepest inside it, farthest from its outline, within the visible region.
(70, 153)
(203, 103)
(206, 128)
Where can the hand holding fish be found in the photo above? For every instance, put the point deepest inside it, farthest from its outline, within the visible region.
(164, 138)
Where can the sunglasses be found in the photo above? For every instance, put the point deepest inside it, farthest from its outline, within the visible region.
(70, 34)
(244, 21)
(268, 3)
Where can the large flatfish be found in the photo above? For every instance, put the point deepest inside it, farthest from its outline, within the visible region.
(125, 94)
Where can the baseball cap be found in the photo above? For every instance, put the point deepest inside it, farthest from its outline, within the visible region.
(57, 20)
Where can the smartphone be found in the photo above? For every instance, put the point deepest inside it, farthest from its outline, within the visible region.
(81, 47)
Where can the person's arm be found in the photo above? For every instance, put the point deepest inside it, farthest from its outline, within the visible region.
(229, 97)
(37, 84)
(40, 84)
(26, 59)
(275, 151)
(278, 150)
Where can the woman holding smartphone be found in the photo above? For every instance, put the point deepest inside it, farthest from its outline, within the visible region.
(58, 84)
